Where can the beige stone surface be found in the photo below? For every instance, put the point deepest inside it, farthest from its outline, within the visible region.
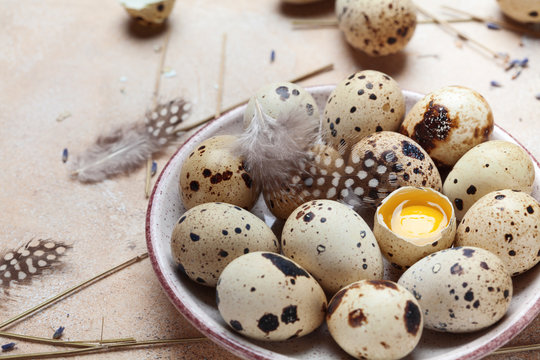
(89, 59)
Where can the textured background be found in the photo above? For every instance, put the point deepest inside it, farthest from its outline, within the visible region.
(87, 58)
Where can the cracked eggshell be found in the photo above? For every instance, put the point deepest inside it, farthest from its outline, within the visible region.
(507, 223)
(365, 102)
(333, 243)
(148, 12)
(490, 166)
(213, 173)
(386, 160)
(375, 319)
(448, 122)
(209, 236)
(399, 251)
(280, 100)
(377, 28)
(461, 289)
(266, 296)
(525, 11)
(305, 185)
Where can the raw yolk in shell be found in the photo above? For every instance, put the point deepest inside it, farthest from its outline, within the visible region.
(414, 220)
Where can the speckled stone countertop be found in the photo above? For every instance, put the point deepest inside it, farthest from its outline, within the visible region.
(87, 62)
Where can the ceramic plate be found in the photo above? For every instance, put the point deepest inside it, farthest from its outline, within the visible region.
(197, 303)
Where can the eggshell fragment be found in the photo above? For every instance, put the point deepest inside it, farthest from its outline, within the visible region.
(448, 122)
(375, 319)
(525, 11)
(379, 27)
(507, 223)
(333, 243)
(280, 100)
(213, 173)
(461, 289)
(209, 236)
(400, 251)
(266, 296)
(365, 102)
(385, 161)
(148, 12)
(490, 166)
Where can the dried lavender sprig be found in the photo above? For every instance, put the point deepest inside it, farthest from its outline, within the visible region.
(67, 343)
(8, 347)
(58, 333)
(493, 26)
(495, 83)
(65, 155)
(154, 168)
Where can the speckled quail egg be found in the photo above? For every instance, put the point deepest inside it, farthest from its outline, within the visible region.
(375, 319)
(507, 223)
(333, 243)
(377, 28)
(493, 165)
(524, 11)
(209, 236)
(365, 102)
(308, 183)
(448, 122)
(266, 296)
(213, 173)
(384, 161)
(413, 222)
(461, 289)
(280, 100)
(148, 12)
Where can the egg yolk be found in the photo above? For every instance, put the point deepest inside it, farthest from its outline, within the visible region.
(417, 221)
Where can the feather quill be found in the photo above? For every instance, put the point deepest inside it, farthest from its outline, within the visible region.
(127, 148)
(22, 265)
(288, 159)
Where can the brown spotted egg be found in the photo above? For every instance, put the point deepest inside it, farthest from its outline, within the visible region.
(365, 102)
(375, 319)
(379, 27)
(213, 173)
(209, 236)
(525, 11)
(312, 181)
(507, 223)
(333, 243)
(448, 122)
(384, 161)
(461, 289)
(266, 296)
(280, 100)
(493, 165)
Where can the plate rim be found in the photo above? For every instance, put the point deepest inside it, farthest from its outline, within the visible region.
(243, 351)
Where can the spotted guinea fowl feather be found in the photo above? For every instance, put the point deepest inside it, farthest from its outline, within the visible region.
(21, 266)
(126, 148)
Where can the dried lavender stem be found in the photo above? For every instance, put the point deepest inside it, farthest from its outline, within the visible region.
(68, 343)
(101, 348)
(445, 24)
(514, 349)
(189, 126)
(221, 77)
(74, 289)
(502, 24)
(317, 23)
(154, 104)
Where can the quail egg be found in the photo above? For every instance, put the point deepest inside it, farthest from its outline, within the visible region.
(375, 319)
(377, 28)
(461, 289)
(209, 236)
(524, 11)
(333, 243)
(266, 296)
(212, 172)
(365, 102)
(493, 165)
(448, 122)
(148, 12)
(414, 222)
(507, 223)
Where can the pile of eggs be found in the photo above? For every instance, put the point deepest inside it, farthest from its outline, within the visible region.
(456, 241)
